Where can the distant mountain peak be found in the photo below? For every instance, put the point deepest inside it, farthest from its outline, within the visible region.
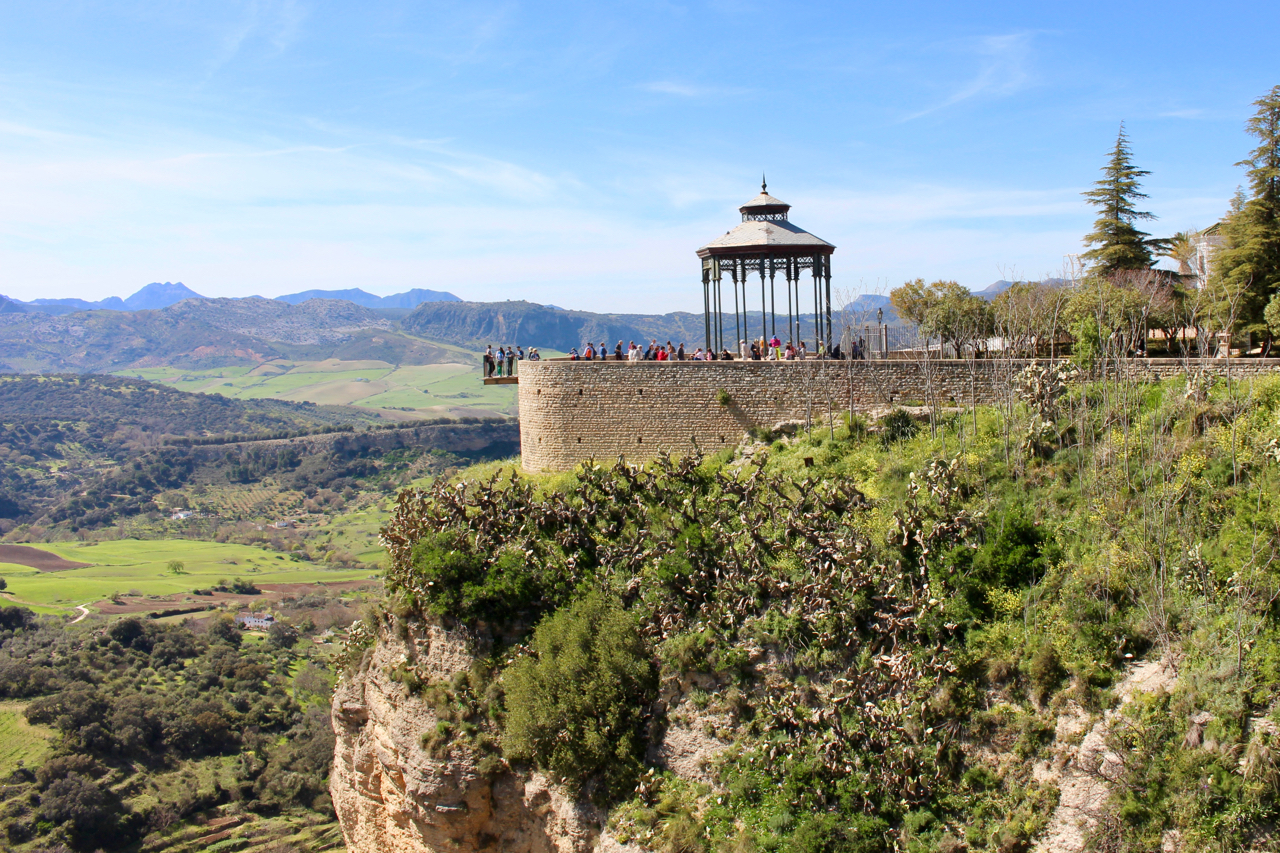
(409, 299)
(160, 295)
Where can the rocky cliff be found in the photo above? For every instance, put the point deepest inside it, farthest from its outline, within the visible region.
(391, 794)
(394, 791)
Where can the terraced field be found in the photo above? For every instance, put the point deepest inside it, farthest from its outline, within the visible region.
(248, 833)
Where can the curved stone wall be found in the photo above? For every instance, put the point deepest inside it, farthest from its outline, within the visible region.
(574, 410)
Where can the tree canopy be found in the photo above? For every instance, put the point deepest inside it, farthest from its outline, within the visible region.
(1116, 242)
(1247, 265)
(945, 309)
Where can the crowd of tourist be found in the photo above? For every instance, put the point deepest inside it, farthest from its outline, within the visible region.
(506, 357)
(760, 349)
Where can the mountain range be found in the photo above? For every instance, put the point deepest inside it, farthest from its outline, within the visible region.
(197, 332)
(159, 295)
(409, 299)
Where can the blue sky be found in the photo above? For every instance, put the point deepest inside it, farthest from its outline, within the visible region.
(579, 153)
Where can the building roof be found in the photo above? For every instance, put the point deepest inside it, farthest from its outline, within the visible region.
(765, 228)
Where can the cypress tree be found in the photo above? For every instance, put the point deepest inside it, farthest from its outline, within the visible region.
(1116, 243)
(1248, 262)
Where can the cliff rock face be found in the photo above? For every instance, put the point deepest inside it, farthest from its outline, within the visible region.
(392, 795)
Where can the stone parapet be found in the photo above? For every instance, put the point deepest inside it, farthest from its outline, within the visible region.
(574, 410)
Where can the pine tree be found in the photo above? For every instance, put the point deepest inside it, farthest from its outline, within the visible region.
(1117, 243)
(1248, 262)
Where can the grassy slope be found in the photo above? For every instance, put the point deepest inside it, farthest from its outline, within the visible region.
(126, 565)
(20, 742)
(431, 389)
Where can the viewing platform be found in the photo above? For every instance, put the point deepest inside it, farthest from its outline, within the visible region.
(502, 380)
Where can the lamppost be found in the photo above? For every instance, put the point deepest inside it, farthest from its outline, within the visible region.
(884, 339)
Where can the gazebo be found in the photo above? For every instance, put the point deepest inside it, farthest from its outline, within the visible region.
(767, 243)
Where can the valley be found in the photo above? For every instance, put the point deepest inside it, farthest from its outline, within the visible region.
(398, 392)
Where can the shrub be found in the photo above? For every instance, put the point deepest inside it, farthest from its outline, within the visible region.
(896, 426)
(833, 833)
(1017, 556)
(462, 584)
(88, 810)
(576, 706)
(1045, 672)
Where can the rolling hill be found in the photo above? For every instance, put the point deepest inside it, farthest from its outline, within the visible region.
(204, 333)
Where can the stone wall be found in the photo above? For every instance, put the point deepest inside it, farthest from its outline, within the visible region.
(575, 410)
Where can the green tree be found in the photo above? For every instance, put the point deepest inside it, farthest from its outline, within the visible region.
(576, 706)
(945, 309)
(177, 567)
(282, 635)
(1116, 242)
(1248, 262)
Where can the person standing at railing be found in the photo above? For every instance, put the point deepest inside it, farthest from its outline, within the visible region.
(511, 362)
(617, 351)
(488, 360)
(680, 352)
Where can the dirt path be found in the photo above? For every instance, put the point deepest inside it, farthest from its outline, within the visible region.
(84, 611)
(1082, 772)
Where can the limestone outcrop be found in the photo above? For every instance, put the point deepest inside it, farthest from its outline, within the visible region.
(391, 794)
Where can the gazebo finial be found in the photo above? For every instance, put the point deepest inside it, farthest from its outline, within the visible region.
(764, 186)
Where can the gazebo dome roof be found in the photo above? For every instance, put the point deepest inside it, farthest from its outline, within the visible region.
(764, 203)
(766, 228)
(766, 234)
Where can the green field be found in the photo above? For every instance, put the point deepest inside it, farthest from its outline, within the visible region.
(20, 742)
(428, 389)
(135, 566)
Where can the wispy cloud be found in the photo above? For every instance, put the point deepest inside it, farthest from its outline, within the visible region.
(1002, 71)
(688, 90)
(276, 22)
(1188, 113)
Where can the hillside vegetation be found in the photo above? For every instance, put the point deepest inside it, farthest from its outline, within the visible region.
(82, 452)
(530, 324)
(888, 631)
(137, 732)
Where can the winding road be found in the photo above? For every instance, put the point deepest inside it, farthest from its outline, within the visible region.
(84, 611)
